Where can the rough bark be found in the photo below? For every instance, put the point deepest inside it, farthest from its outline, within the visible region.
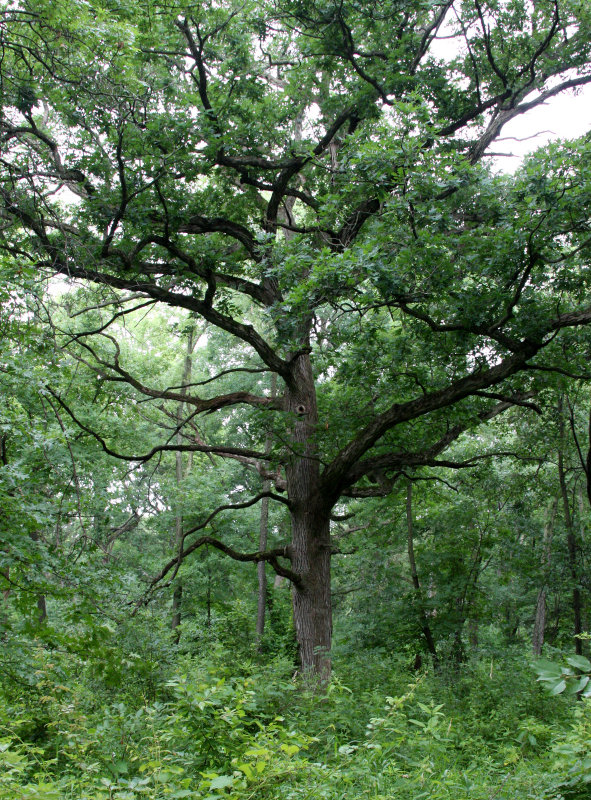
(312, 609)
(310, 526)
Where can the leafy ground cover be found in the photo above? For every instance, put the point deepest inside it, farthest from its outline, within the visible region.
(209, 731)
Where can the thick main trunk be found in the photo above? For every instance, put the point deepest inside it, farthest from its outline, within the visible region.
(310, 528)
(312, 609)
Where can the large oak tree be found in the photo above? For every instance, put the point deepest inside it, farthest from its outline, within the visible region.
(311, 179)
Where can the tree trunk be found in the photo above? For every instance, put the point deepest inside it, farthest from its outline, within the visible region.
(40, 602)
(312, 611)
(208, 598)
(415, 576)
(261, 568)
(263, 537)
(572, 546)
(177, 599)
(310, 548)
(177, 596)
(42, 608)
(540, 619)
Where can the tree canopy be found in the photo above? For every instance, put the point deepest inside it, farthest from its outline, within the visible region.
(310, 182)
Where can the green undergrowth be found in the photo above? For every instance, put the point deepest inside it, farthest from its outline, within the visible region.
(482, 731)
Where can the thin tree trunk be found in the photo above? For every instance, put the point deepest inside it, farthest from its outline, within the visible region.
(42, 608)
(177, 596)
(177, 599)
(546, 558)
(40, 602)
(470, 600)
(208, 599)
(6, 592)
(261, 568)
(572, 546)
(415, 576)
(263, 537)
(588, 461)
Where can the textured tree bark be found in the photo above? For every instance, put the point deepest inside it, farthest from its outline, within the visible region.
(312, 610)
(310, 527)
(539, 630)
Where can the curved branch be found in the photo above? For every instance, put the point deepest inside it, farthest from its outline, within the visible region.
(184, 448)
(70, 268)
(201, 405)
(334, 478)
(427, 457)
(270, 556)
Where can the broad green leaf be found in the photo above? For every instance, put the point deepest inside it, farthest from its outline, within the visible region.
(222, 782)
(579, 662)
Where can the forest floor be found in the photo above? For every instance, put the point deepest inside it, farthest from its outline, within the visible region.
(121, 727)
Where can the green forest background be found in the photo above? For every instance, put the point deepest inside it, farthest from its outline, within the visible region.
(275, 334)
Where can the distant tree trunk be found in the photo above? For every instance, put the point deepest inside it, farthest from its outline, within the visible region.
(545, 561)
(553, 629)
(572, 546)
(41, 601)
(177, 596)
(470, 600)
(458, 652)
(208, 598)
(263, 537)
(415, 576)
(42, 608)
(6, 575)
(469, 611)
(588, 462)
(261, 568)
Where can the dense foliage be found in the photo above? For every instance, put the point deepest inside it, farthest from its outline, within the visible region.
(292, 381)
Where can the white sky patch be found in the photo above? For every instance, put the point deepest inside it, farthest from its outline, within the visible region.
(565, 116)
